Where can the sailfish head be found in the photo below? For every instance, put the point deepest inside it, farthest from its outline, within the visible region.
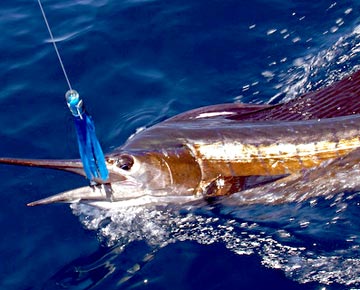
(134, 179)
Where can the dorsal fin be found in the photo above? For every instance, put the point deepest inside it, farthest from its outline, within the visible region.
(339, 99)
(227, 111)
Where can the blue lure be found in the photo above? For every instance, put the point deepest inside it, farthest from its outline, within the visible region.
(91, 154)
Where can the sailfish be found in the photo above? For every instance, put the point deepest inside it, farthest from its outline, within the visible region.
(236, 153)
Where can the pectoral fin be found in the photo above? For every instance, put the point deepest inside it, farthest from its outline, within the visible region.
(231, 184)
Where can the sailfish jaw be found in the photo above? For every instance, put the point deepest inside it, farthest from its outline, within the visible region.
(105, 195)
(88, 193)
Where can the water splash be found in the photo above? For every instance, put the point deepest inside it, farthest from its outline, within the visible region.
(318, 69)
(302, 240)
(126, 225)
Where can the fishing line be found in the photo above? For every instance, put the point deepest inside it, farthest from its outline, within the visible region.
(91, 154)
(55, 46)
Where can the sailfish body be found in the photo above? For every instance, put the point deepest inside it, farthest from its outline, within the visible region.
(250, 153)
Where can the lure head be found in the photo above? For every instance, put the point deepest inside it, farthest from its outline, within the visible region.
(74, 103)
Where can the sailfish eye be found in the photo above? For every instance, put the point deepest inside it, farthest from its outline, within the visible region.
(125, 162)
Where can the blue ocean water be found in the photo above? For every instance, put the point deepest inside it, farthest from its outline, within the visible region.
(135, 63)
